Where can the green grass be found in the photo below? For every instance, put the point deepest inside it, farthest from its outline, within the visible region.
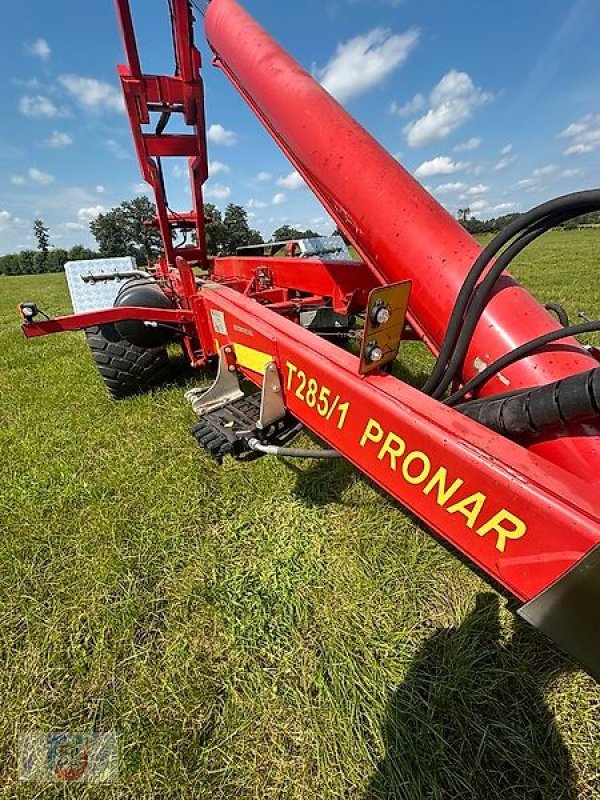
(270, 630)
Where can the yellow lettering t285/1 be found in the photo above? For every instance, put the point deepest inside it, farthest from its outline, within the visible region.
(315, 395)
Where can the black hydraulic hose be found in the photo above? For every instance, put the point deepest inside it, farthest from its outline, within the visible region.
(575, 202)
(560, 312)
(473, 314)
(484, 290)
(290, 452)
(517, 354)
(480, 299)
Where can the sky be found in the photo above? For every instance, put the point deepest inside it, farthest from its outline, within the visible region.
(493, 106)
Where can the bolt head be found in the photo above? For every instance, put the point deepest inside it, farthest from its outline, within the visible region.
(383, 315)
(375, 354)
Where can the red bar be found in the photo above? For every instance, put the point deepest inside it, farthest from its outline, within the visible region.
(78, 322)
(180, 145)
(348, 283)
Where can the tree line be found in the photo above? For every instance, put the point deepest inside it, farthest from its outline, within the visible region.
(495, 224)
(128, 230)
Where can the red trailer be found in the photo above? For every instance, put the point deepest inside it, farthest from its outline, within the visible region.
(498, 453)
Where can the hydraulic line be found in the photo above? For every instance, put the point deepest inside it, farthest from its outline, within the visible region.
(517, 354)
(483, 293)
(290, 452)
(572, 204)
(560, 312)
(573, 399)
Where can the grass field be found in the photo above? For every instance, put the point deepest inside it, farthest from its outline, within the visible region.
(272, 630)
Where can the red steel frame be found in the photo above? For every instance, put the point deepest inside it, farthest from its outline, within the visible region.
(523, 514)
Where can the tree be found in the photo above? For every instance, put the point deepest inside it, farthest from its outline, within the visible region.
(109, 230)
(80, 253)
(140, 214)
(42, 234)
(463, 214)
(286, 232)
(27, 262)
(214, 230)
(128, 230)
(237, 231)
(57, 258)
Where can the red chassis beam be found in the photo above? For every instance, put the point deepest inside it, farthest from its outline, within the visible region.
(347, 283)
(78, 322)
(523, 520)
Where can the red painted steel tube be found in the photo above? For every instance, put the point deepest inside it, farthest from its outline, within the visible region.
(79, 322)
(397, 227)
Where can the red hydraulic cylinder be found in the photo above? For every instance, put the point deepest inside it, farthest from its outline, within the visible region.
(397, 227)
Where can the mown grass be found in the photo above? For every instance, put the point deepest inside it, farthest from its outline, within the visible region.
(264, 630)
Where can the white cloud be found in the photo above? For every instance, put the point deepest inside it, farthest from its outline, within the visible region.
(571, 173)
(584, 135)
(74, 226)
(506, 150)
(527, 183)
(476, 190)
(5, 216)
(505, 162)
(292, 181)
(549, 169)
(140, 188)
(413, 106)
(37, 176)
(17, 180)
(217, 167)
(38, 106)
(217, 134)
(478, 206)
(264, 176)
(218, 191)
(503, 207)
(364, 61)
(39, 48)
(88, 214)
(452, 102)
(254, 203)
(471, 144)
(440, 165)
(116, 149)
(100, 189)
(444, 188)
(59, 139)
(278, 199)
(92, 94)
(8, 222)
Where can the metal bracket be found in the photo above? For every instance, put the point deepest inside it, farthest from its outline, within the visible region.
(384, 325)
(272, 406)
(225, 389)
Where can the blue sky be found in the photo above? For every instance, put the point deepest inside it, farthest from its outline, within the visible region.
(493, 105)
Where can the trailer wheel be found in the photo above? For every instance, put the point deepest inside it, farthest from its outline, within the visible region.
(125, 368)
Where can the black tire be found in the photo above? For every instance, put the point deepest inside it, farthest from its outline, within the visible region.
(125, 368)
